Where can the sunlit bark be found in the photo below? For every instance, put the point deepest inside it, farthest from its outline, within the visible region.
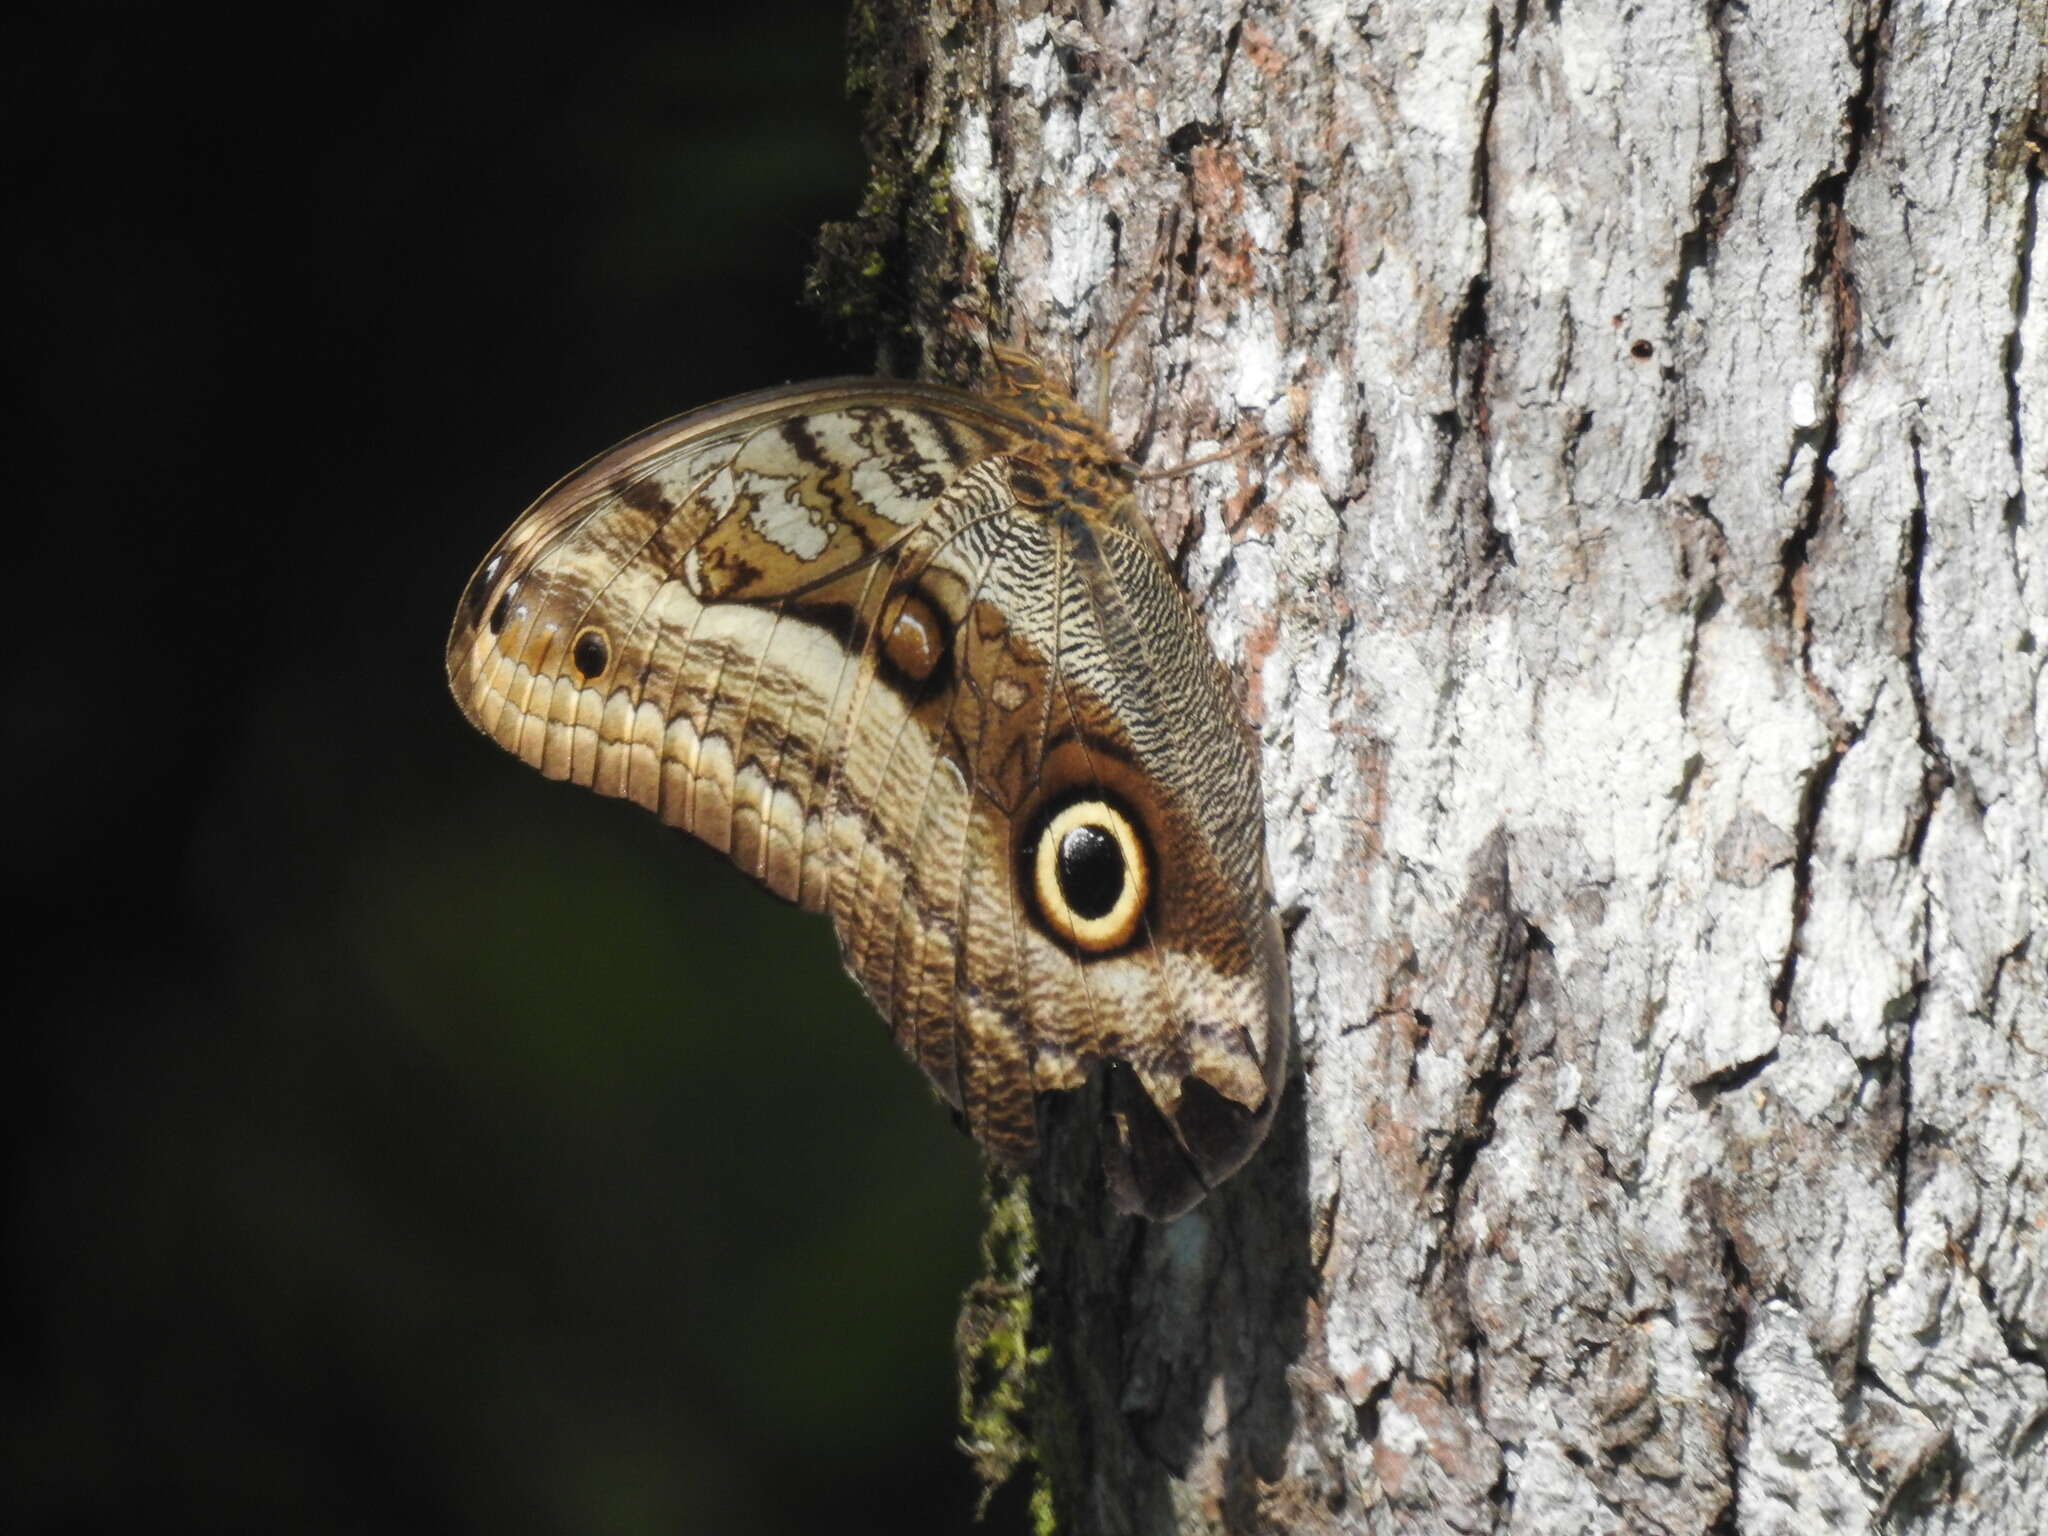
(1643, 603)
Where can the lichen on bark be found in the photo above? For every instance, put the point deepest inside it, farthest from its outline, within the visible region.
(898, 268)
(997, 1356)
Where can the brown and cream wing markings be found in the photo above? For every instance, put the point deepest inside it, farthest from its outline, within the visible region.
(910, 657)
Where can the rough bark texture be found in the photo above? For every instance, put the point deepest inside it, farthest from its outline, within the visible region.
(1645, 615)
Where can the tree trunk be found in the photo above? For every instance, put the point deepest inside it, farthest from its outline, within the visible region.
(1643, 602)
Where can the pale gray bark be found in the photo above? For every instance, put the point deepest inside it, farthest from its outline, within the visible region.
(1645, 616)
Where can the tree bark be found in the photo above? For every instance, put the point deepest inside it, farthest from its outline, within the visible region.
(1643, 603)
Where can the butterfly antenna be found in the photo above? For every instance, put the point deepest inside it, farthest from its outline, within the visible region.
(1243, 446)
(1154, 268)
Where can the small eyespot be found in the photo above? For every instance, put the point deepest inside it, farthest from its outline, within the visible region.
(915, 641)
(480, 585)
(503, 611)
(590, 654)
(1089, 875)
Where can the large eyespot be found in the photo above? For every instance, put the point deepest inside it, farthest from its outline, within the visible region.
(590, 653)
(1089, 875)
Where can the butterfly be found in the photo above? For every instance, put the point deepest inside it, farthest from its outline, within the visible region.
(910, 656)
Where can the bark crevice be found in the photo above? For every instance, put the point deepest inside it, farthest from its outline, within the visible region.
(1719, 180)
(2015, 339)
(1938, 775)
(1812, 802)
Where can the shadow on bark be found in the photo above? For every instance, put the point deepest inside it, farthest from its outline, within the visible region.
(1168, 1345)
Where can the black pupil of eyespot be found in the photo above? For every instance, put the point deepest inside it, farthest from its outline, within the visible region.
(1091, 866)
(590, 654)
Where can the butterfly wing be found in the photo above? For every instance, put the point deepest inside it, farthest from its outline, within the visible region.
(838, 633)
(674, 623)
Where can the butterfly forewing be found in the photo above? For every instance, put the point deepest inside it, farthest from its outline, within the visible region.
(666, 560)
(908, 656)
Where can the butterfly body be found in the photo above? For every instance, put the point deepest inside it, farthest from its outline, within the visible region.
(911, 657)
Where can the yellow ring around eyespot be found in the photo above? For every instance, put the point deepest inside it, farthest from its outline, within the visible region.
(1114, 928)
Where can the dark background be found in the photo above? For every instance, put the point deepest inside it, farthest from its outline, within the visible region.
(393, 1139)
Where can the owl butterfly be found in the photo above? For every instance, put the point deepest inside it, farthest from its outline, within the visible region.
(910, 657)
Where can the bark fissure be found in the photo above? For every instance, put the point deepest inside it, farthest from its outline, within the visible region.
(1230, 41)
(1830, 278)
(1859, 117)
(1730, 1078)
(1793, 553)
(1938, 774)
(1491, 1076)
(1812, 801)
(1704, 607)
(1367, 1413)
(2016, 1345)
(1582, 423)
(2015, 342)
(1470, 339)
(1992, 992)
(1725, 1369)
(1907, 1015)
(1719, 180)
(2031, 1435)
(1663, 460)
